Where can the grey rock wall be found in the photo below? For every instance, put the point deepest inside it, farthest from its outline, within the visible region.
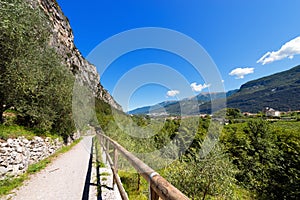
(17, 154)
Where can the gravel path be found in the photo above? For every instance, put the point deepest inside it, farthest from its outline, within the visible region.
(63, 179)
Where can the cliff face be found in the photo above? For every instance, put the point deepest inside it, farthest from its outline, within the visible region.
(63, 41)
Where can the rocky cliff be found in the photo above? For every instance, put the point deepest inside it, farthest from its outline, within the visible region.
(63, 41)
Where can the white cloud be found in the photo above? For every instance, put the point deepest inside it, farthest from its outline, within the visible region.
(288, 50)
(172, 93)
(241, 72)
(199, 88)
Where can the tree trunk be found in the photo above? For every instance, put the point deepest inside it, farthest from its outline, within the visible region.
(206, 190)
(1, 116)
(139, 182)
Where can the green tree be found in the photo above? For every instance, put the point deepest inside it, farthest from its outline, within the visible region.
(254, 152)
(204, 177)
(233, 113)
(285, 174)
(32, 77)
(16, 39)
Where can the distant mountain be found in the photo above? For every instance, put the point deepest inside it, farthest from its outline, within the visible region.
(185, 106)
(280, 91)
(205, 97)
(147, 109)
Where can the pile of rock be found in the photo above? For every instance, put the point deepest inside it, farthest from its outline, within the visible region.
(17, 154)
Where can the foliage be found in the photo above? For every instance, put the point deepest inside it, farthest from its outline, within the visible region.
(83, 104)
(32, 77)
(254, 158)
(212, 175)
(266, 156)
(286, 175)
(233, 113)
(135, 186)
(204, 176)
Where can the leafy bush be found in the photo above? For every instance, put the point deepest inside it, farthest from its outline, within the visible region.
(211, 176)
(267, 157)
(32, 77)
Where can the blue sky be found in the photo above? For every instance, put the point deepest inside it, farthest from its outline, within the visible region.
(237, 34)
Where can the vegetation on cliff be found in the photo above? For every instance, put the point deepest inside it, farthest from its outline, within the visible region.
(33, 81)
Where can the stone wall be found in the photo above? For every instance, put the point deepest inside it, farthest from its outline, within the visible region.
(17, 154)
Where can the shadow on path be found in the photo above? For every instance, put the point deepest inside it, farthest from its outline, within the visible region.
(88, 181)
(99, 197)
(86, 191)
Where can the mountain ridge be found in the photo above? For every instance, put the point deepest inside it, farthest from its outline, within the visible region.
(281, 91)
(174, 107)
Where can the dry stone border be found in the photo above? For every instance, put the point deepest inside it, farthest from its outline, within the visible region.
(16, 154)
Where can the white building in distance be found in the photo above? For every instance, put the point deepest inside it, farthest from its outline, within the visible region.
(270, 112)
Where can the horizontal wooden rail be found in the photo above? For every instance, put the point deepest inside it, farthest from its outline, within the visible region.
(159, 187)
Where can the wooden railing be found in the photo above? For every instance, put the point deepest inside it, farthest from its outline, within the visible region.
(158, 186)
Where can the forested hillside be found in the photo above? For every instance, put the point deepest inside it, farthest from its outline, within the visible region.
(280, 91)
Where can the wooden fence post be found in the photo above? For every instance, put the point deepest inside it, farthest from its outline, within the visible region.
(107, 146)
(152, 193)
(115, 162)
(116, 159)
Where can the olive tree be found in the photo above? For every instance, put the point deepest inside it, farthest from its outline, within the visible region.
(33, 79)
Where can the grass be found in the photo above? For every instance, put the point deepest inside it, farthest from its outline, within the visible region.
(288, 125)
(99, 162)
(241, 193)
(105, 174)
(38, 166)
(9, 184)
(130, 183)
(14, 132)
(10, 129)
